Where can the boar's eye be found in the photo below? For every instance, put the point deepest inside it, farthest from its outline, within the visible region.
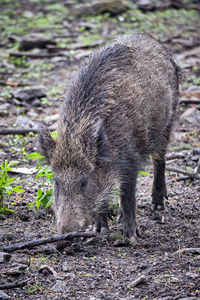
(84, 182)
(56, 183)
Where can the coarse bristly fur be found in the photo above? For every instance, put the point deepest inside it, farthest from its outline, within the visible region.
(119, 109)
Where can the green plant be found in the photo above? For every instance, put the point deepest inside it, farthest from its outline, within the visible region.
(143, 173)
(37, 287)
(18, 143)
(56, 7)
(5, 93)
(6, 185)
(122, 254)
(44, 195)
(20, 62)
(54, 91)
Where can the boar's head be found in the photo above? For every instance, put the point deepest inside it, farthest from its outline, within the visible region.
(80, 162)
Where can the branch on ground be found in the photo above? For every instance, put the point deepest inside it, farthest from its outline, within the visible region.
(188, 250)
(35, 55)
(14, 284)
(52, 239)
(189, 101)
(192, 175)
(6, 131)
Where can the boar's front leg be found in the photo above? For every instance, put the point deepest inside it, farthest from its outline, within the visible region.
(159, 188)
(101, 223)
(128, 179)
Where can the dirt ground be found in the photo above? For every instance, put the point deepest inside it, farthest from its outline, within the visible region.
(165, 261)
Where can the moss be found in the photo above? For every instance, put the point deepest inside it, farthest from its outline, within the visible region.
(56, 7)
(170, 21)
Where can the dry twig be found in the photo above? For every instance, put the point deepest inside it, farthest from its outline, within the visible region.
(188, 250)
(35, 55)
(191, 175)
(189, 101)
(52, 239)
(14, 131)
(14, 284)
(6, 131)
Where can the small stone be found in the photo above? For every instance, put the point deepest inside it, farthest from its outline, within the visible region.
(58, 59)
(162, 220)
(114, 7)
(146, 5)
(3, 296)
(174, 279)
(191, 116)
(29, 94)
(59, 286)
(140, 280)
(16, 270)
(4, 257)
(36, 103)
(51, 119)
(32, 114)
(65, 267)
(23, 122)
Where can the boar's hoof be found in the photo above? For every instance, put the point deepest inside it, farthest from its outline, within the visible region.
(61, 245)
(101, 227)
(157, 206)
(132, 233)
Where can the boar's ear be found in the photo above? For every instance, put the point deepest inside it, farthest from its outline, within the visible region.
(46, 142)
(101, 143)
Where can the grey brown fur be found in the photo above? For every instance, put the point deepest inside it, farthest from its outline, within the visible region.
(119, 109)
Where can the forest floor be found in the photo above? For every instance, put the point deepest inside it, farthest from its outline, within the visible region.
(41, 43)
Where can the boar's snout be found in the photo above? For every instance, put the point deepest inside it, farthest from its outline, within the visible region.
(71, 224)
(68, 224)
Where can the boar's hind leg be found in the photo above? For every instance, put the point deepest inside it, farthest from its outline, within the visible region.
(128, 201)
(159, 188)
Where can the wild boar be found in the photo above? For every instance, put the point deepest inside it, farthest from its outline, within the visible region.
(119, 109)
